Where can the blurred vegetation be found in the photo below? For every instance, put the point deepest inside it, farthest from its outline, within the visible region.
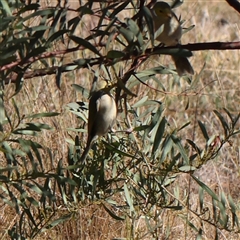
(130, 174)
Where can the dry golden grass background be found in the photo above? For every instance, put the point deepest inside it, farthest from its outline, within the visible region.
(218, 87)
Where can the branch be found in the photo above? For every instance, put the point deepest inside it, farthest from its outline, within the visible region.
(208, 46)
(235, 4)
(84, 63)
(26, 60)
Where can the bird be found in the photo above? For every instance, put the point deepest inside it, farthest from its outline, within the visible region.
(102, 114)
(165, 18)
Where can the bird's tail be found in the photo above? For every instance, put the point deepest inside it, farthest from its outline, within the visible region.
(182, 65)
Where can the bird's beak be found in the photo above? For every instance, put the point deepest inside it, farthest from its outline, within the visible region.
(169, 14)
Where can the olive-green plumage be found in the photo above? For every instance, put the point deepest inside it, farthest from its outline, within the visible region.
(171, 33)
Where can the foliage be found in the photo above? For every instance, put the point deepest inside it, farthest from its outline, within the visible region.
(129, 175)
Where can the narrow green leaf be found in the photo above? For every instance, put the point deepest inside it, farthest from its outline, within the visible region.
(2, 110)
(78, 107)
(229, 114)
(46, 12)
(58, 221)
(232, 204)
(7, 169)
(223, 122)
(19, 83)
(203, 129)
(124, 88)
(149, 224)
(82, 90)
(181, 149)
(85, 44)
(62, 179)
(150, 24)
(73, 24)
(108, 32)
(58, 77)
(236, 119)
(127, 34)
(33, 201)
(128, 198)
(5, 23)
(72, 67)
(16, 110)
(41, 115)
(183, 126)
(56, 35)
(147, 74)
(6, 7)
(156, 117)
(190, 224)
(194, 146)
(223, 216)
(29, 7)
(85, 10)
(7, 57)
(136, 31)
(30, 126)
(112, 54)
(158, 136)
(30, 216)
(34, 42)
(25, 132)
(233, 210)
(34, 187)
(112, 214)
(201, 198)
(214, 208)
(110, 40)
(56, 23)
(119, 9)
(35, 148)
(116, 150)
(206, 188)
(35, 29)
(185, 30)
(140, 128)
(187, 168)
(36, 51)
(166, 148)
(140, 102)
(40, 126)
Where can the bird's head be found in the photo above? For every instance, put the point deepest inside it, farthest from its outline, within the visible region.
(104, 85)
(162, 10)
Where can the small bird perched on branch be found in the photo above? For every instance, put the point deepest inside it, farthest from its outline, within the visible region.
(165, 18)
(102, 114)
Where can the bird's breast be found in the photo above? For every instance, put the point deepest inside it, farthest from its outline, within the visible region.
(106, 113)
(171, 32)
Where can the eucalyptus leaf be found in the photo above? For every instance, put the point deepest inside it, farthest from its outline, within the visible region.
(128, 198)
(6, 7)
(150, 24)
(115, 54)
(85, 44)
(112, 214)
(42, 115)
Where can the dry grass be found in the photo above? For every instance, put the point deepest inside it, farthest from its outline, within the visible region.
(218, 87)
